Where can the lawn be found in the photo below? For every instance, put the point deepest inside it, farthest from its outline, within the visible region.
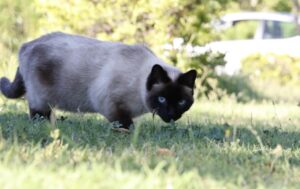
(215, 145)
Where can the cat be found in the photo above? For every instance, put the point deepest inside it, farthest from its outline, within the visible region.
(80, 74)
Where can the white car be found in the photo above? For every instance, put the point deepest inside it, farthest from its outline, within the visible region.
(270, 37)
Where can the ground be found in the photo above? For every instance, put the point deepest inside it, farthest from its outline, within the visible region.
(215, 145)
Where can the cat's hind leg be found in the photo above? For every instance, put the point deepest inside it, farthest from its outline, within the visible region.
(38, 107)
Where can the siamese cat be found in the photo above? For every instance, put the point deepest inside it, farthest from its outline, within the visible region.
(80, 74)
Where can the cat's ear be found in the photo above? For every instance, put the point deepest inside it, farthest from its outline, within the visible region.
(188, 78)
(157, 75)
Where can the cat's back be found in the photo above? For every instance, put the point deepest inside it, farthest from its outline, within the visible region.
(69, 46)
(60, 44)
(57, 39)
(65, 50)
(85, 54)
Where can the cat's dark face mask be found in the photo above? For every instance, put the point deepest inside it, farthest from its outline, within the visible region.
(170, 99)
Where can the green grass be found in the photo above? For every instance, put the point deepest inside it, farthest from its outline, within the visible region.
(215, 145)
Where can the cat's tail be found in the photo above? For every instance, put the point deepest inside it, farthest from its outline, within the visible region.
(15, 89)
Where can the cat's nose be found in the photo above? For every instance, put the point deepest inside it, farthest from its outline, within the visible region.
(171, 114)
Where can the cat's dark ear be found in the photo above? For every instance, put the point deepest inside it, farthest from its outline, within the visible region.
(157, 75)
(188, 78)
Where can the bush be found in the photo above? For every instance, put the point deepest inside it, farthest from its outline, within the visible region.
(205, 63)
(17, 22)
(275, 77)
(207, 83)
(262, 77)
(282, 69)
(240, 87)
(241, 30)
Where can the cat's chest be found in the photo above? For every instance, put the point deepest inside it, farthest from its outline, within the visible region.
(137, 108)
(130, 101)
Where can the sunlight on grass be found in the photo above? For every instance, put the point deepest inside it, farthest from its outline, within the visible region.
(215, 145)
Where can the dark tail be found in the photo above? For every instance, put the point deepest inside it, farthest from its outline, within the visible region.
(15, 89)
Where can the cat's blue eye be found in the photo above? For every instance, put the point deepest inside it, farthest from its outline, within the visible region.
(182, 102)
(161, 99)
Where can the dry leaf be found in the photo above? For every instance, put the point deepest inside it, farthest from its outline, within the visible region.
(165, 152)
(277, 151)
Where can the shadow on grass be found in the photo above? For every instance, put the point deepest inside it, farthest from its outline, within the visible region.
(200, 146)
(94, 131)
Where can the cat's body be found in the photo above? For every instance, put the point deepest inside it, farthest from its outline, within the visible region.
(80, 74)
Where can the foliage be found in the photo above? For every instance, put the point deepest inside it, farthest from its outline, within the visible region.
(17, 21)
(280, 68)
(240, 87)
(185, 58)
(261, 5)
(152, 22)
(138, 21)
(275, 77)
(205, 64)
(242, 30)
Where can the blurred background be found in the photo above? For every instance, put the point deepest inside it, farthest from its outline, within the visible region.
(244, 50)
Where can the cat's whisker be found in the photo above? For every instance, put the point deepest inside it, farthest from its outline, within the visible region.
(154, 113)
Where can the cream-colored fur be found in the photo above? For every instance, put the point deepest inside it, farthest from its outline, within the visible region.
(90, 75)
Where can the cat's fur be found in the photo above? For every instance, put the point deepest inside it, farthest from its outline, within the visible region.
(81, 74)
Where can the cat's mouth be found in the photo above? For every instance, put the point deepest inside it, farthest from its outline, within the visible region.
(166, 118)
(169, 119)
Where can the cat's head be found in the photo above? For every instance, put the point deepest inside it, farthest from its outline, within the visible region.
(170, 99)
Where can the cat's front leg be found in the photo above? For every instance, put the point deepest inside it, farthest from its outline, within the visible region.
(121, 117)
